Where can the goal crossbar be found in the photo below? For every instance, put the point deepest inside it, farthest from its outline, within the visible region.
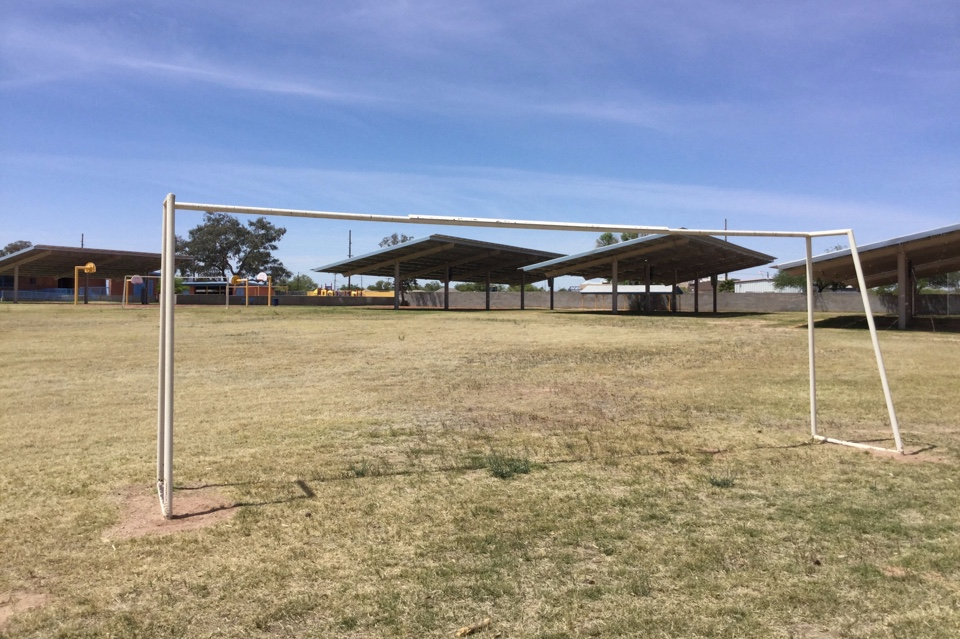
(165, 376)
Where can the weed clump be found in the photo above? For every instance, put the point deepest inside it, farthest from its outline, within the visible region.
(725, 480)
(504, 467)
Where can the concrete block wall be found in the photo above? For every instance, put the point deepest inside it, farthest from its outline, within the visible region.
(285, 300)
(826, 302)
(829, 302)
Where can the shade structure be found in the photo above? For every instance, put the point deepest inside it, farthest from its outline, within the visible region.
(431, 257)
(899, 260)
(669, 258)
(59, 261)
(932, 252)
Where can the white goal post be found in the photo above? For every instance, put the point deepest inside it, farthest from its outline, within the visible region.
(165, 376)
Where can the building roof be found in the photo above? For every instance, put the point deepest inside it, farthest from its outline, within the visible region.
(672, 258)
(932, 252)
(429, 257)
(60, 261)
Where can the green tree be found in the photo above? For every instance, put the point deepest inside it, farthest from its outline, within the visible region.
(784, 280)
(393, 240)
(477, 287)
(405, 285)
(14, 247)
(530, 288)
(728, 285)
(301, 282)
(381, 285)
(178, 286)
(944, 281)
(607, 239)
(432, 286)
(222, 245)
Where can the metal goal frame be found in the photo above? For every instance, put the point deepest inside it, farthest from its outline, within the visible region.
(165, 374)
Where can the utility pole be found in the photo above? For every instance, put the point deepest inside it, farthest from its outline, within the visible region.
(81, 240)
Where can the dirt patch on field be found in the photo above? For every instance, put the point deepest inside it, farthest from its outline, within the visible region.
(808, 631)
(910, 457)
(193, 508)
(13, 602)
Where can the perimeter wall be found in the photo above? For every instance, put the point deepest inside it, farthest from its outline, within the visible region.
(829, 302)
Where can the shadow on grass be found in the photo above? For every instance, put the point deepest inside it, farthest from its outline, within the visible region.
(308, 493)
(686, 314)
(208, 511)
(305, 489)
(926, 324)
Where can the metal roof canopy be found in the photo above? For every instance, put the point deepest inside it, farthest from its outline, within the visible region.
(671, 259)
(165, 376)
(430, 257)
(899, 260)
(932, 252)
(59, 261)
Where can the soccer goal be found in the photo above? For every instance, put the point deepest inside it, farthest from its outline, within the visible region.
(165, 375)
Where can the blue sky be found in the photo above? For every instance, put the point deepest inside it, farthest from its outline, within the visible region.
(769, 115)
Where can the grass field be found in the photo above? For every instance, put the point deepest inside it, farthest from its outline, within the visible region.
(408, 474)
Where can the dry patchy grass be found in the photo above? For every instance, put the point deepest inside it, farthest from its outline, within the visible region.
(408, 474)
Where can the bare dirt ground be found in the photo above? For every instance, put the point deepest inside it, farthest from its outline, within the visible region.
(194, 508)
(914, 456)
(140, 515)
(13, 602)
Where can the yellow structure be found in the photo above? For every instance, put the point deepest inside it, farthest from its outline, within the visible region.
(329, 292)
(89, 267)
(237, 281)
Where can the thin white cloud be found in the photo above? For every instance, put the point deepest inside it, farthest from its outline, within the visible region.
(609, 64)
(117, 204)
(482, 192)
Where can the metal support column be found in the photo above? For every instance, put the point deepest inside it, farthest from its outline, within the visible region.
(647, 275)
(696, 295)
(16, 284)
(396, 285)
(487, 288)
(905, 287)
(446, 290)
(614, 276)
(550, 283)
(523, 285)
(713, 283)
(673, 293)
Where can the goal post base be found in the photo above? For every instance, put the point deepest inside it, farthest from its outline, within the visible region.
(167, 514)
(843, 442)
